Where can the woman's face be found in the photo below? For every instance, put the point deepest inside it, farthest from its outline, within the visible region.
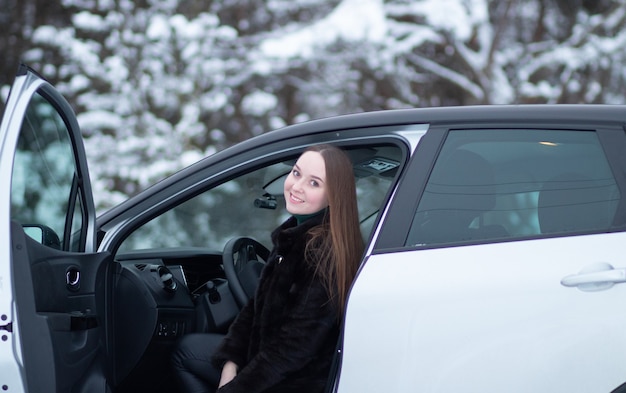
(305, 187)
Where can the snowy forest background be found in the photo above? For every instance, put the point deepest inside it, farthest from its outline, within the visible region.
(159, 84)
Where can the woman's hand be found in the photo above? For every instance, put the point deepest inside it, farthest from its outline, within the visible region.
(229, 371)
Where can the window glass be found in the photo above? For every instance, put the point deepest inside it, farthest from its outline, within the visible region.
(76, 234)
(43, 175)
(212, 218)
(495, 184)
(253, 205)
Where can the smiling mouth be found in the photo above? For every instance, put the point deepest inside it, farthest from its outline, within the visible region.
(295, 199)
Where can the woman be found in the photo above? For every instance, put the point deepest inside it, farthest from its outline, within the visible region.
(283, 340)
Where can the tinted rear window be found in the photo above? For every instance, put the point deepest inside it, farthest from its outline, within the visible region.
(495, 184)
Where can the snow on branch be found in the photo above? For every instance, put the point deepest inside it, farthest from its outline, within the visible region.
(446, 73)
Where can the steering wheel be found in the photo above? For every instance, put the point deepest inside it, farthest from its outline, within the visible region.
(242, 266)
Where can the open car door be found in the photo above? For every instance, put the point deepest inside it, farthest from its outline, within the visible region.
(52, 291)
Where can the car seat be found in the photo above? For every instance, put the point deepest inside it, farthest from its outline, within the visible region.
(459, 191)
(571, 202)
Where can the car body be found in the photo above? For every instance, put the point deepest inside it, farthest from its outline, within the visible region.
(494, 243)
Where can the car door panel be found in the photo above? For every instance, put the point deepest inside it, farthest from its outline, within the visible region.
(498, 267)
(469, 318)
(57, 283)
(61, 331)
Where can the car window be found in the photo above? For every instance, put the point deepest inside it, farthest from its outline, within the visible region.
(252, 204)
(213, 217)
(504, 184)
(44, 178)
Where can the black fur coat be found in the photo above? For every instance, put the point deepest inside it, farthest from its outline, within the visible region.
(283, 340)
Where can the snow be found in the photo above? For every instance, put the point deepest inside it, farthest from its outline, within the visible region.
(259, 103)
(87, 21)
(99, 120)
(155, 89)
(159, 28)
(79, 82)
(451, 15)
(352, 20)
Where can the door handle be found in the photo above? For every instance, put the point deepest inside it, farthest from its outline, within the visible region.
(596, 277)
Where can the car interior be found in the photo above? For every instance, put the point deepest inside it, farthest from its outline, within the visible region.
(190, 268)
(198, 278)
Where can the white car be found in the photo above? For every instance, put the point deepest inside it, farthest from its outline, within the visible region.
(495, 251)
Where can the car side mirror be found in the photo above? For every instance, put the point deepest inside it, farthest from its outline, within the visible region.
(43, 235)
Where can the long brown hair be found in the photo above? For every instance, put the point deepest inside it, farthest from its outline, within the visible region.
(340, 237)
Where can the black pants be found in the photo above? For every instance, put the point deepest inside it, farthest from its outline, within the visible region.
(192, 363)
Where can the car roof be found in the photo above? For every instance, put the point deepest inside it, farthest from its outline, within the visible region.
(479, 114)
(558, 114)
(471, 114)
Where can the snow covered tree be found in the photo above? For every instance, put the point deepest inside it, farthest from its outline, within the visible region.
(487, 52)
(159, 84)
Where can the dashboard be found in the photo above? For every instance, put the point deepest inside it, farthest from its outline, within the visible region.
(158, 296)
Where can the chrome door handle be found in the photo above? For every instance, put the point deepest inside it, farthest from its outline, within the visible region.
(596, 277)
